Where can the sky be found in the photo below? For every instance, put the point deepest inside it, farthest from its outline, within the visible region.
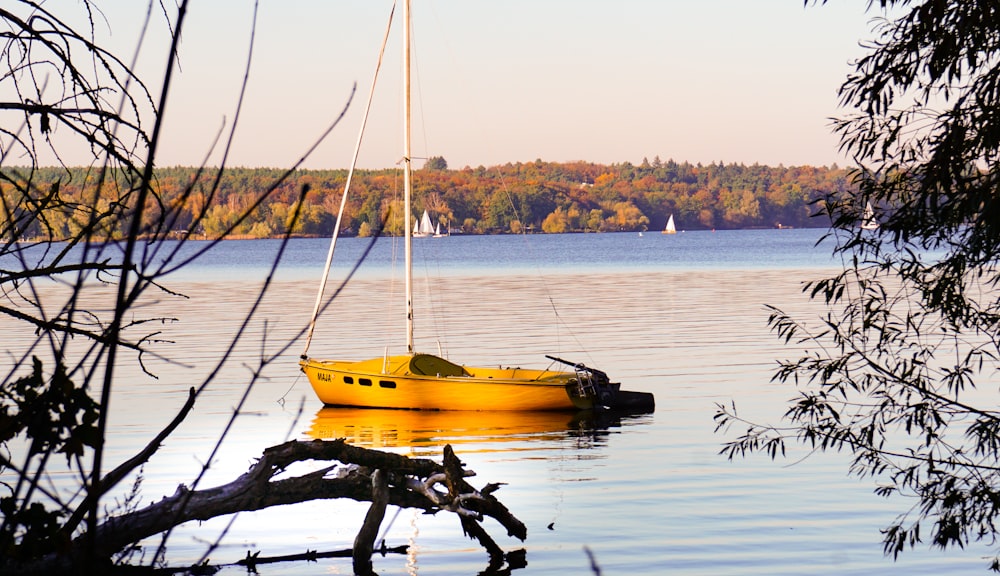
(733, 81)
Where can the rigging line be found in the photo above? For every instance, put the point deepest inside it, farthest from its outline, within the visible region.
(464, 82)
(435, 298)
(432, 274)
(347, 184)
(545, 285)
(391, 314)
(281, 399)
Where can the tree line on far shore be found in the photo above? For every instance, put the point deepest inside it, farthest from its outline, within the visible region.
(546, 197)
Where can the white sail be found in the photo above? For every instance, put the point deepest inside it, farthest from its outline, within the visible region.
(670, 229)
(425, 228)
(869, 222)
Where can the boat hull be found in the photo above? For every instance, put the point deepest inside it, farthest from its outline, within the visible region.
(429, 383)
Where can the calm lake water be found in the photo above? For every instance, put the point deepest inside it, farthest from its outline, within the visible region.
(680, 316)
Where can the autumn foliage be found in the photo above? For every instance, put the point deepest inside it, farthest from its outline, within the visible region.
(536, 196)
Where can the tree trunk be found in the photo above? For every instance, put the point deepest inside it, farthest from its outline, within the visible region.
(365, 541)
(406, 482)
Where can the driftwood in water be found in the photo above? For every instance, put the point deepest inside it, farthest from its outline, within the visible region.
(365, 540)
(411, 482)
(251, 561)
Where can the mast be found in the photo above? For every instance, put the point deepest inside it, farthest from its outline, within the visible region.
(408, 243)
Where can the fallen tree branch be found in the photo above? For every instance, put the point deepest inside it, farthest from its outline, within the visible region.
(365, 540)
(115, 476)
(256, 489)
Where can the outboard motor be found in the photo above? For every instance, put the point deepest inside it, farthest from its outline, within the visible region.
(593, 383)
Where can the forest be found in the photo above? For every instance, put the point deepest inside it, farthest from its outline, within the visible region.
(536, 197)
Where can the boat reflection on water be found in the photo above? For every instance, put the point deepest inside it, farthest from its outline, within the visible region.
(427, 432)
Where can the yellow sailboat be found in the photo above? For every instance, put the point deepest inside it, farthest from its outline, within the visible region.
(427, 382)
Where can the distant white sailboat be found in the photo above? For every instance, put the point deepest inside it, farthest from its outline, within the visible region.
(670, 229)
(425, 228)
(437, 231)
(869, 222)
